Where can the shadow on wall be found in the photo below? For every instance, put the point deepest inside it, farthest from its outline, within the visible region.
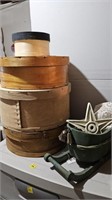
(82, 92)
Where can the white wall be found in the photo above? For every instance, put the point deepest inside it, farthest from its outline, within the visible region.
(82, 30)
(14, 19)
(111, 47)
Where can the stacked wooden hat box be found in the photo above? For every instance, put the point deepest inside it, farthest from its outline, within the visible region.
(34, 96)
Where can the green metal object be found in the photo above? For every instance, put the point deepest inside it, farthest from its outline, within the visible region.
(88, 140)
(92, 156)
(69, 175)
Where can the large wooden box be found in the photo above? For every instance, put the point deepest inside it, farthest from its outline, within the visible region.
(34, 72)
(34, 109)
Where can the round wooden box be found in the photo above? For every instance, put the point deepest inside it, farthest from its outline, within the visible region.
(34, 109)
(31, 43)
(34, 72)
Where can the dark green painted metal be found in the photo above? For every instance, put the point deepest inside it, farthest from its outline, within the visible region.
(88, 149)
(69, 175)
(90, 154)
(87, 139)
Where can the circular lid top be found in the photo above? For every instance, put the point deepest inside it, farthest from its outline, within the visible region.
(30, 35)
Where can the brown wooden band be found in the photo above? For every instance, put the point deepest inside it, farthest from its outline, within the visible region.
(27, 95)
(48, 61)
(19, 150)
(25, 136)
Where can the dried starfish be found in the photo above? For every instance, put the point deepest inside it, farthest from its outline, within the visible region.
(90, 124)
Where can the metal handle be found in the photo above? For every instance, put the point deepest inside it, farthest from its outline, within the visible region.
(61, 170)
(69, 175)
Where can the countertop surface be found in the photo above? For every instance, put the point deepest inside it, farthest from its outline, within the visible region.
(38, 172)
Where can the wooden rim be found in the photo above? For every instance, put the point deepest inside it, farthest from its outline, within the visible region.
(18, 135)
(48, 61)
(13, 149)
(34, 94)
